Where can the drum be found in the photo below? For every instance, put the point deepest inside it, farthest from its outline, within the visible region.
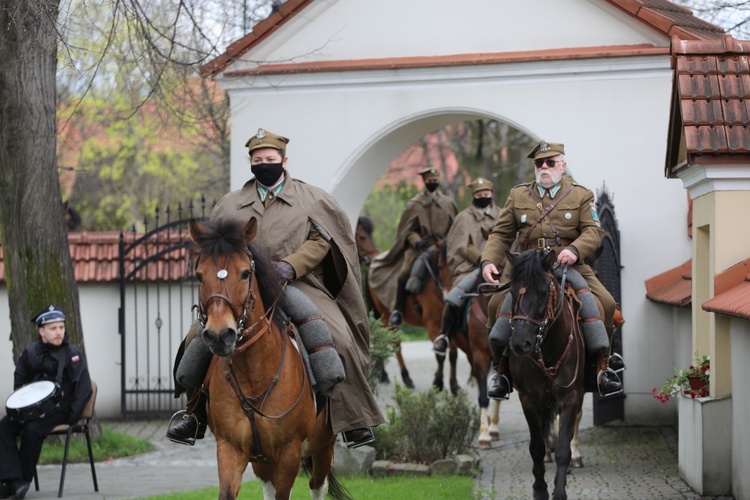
(33, 401)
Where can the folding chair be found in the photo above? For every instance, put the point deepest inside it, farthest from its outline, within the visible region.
(82, 427)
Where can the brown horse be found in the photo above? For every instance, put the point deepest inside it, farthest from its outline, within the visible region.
(261, 406)
(424, 309)
(547, 361)
(474, 335)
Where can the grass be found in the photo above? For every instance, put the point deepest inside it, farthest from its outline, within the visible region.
(409, 332)
(412, 488)
(109, 445)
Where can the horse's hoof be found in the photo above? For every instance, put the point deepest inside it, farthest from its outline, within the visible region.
(454, 388)
(407, 381)
(495, 436)
(438, 384)
(576, 463)
(484, 444)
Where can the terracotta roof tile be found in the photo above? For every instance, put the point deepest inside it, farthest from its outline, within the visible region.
(673, 287)
(96, 257)
(732, 292)
(710, 116)
(662, 16)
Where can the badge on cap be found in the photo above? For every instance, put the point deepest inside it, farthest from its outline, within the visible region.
(543, 146)
(261, 135)
(568, 216)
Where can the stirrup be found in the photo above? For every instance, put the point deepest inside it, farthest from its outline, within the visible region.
(184, 415)
(507, 381)
(609, 371)
(622, 361)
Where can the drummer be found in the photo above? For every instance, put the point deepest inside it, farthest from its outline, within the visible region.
(51, 358)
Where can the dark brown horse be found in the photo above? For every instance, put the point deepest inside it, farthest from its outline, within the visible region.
(424, 309)
(261, 407)
(547, 361)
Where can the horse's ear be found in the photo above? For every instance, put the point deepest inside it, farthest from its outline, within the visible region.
(511, 256)
(196, 231)
(549, 260)
(250, 230)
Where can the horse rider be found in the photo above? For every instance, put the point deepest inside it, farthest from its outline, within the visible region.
(426, 220)
(550, 212)
(306, 233)
(464, 245)
(51, 357)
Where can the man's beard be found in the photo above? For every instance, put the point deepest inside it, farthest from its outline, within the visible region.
(549, 180)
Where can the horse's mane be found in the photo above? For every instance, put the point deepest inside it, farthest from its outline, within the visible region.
(528, 269)
(366, 224)
(225, 237)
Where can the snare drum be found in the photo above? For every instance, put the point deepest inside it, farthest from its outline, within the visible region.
(33, 401)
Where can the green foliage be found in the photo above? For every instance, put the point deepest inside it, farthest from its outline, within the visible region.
(385, 206)
(426, 426)
(383, 344)
(414, 488)
(109, 445)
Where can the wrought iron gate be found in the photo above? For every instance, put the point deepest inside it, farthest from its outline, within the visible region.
(156, 297)
(608, 269)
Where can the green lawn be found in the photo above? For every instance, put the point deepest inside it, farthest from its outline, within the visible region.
(109, 445)
(411, 488)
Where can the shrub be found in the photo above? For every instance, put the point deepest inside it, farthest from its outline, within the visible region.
(426, 426)
(383, 344)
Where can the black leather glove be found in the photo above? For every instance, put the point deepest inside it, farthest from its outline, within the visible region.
(420, 244)
(285, 271)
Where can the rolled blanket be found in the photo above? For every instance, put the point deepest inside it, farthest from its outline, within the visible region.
(501, 331)
(325, 363)
(415, 283)
(594, 332)
(456, 297)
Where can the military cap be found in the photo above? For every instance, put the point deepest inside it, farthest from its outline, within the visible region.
(429, 174)
(481, 184)
(49, 314)
(266, 139)
(546, 150)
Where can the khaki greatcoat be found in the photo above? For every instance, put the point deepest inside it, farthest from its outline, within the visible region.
(427, 216)
(465, 240)
(285, 227)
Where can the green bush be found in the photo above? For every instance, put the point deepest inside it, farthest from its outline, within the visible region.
(426, 426)
(383, 344)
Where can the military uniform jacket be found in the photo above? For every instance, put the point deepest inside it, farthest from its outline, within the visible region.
(574, 218)
(424, 218)
(333, 283)
(39, 361)
(465, 240)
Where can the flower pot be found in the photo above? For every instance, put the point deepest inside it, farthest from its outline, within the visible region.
(696, 383)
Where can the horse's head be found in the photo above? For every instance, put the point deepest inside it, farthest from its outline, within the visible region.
(230, 274)
(533, 290)
(366, 247)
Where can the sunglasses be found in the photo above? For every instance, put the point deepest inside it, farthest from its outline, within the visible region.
(550, 162)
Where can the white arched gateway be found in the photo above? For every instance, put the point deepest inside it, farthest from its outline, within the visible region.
(354, 83)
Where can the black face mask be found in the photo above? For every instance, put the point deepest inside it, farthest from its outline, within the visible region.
(431, 186)
(267, 173)
(482, 202)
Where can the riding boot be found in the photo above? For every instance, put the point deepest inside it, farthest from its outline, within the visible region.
(501, 383)
(607, 380)
(616, 363)
(192, 426)
(449, 322)
(397, 316)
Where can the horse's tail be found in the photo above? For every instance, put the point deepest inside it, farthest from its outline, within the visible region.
(335, 489)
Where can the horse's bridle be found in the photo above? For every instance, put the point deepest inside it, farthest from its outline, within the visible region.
(552, 311)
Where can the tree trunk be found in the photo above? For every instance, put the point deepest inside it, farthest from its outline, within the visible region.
(38, 268)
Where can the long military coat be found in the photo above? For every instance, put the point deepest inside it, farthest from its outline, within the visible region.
(465, 240)
(334, 285)
(424, 218)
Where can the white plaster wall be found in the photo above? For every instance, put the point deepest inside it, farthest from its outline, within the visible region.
(612, 115)
(740, 335)
(335, 30)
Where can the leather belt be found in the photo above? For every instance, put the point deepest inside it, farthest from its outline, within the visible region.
(547, 242)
